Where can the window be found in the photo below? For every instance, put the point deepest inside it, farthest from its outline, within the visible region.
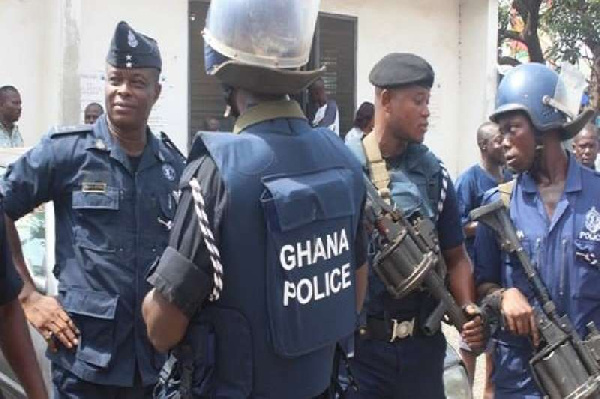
(334, 46)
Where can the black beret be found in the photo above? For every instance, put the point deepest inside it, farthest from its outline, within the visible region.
(401, 69)
(130, 49)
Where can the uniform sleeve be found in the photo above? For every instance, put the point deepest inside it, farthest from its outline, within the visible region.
(10, 282)
(464, 196)
(183, 273)
(28, 182)
(449, 225)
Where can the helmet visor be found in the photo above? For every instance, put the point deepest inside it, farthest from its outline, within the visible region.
(265, 33)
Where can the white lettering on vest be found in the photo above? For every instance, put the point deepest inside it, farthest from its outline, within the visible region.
(314, 252)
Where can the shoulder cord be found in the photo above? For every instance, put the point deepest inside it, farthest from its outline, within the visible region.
(209, 240)
(443, 191)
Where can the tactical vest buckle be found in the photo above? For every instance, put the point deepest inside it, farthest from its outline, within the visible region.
(402, 329)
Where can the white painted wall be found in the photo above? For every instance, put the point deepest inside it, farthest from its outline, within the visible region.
(478, 77)
(434, 30)
(30, 43)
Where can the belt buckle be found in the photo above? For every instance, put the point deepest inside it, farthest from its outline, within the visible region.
(402, 329)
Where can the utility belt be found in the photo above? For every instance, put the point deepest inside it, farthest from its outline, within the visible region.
(412, 317)
(390, 330)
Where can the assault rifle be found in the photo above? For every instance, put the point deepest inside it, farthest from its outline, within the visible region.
(564, 366)
(410, 258)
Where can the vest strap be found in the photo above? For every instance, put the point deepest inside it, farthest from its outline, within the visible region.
(377, 167)
(505, 190)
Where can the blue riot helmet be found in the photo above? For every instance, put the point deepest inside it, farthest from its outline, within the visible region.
(259, 45)
(541, 93)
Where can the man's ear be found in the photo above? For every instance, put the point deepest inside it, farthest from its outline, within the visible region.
(157, 91)
(385, 97)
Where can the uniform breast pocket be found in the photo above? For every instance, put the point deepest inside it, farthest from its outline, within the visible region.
(407, 196)
(587, 267)
(95, 223)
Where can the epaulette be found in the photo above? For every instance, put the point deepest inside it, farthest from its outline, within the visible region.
(68, 130)
(171, 145)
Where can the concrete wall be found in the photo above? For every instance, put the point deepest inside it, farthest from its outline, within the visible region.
(57, 50)
(31, 58)
(429, 28)
(478, 77)
(51, 44)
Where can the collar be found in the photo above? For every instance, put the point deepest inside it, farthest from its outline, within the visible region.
(572, 184)
(268, 110)
(103, 140)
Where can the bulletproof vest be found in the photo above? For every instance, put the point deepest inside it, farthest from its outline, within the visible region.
(287, 243)
(414, 178)
(415, 187)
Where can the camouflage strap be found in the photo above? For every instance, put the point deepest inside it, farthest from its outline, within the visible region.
(209, 240)
(380, 176)
(505, 190)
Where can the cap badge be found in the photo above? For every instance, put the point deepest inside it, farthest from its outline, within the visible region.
(131, 40)
(592, 220)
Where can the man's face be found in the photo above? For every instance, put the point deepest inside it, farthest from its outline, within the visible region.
(130, 95)
(494, 148)
(10, 106)
(585, 147)
(91, 114)
(213, 125)
(407, 112)
(518, 140)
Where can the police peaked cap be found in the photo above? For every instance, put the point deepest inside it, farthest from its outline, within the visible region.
(130, 49)
(402, 69)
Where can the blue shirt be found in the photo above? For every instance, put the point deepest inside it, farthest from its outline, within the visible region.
(111, 224)
(470, 187)
(564, 249)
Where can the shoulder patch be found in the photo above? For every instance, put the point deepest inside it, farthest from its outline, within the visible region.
(69, 130)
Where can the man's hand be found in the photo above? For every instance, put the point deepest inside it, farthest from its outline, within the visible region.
(50, 320)
(519, 315)
(473, 332)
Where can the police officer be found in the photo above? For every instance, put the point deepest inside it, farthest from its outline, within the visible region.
(394, 357)
(284, 202)
(554, 204)
(113, 187)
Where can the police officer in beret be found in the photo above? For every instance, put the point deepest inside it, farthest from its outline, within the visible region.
(263, 299)
(113, 188)
(394, 357)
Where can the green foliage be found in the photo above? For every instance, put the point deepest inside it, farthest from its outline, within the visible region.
(573, 24)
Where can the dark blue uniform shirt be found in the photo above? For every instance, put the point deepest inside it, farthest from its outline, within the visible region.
(111, 223)
(470, 187)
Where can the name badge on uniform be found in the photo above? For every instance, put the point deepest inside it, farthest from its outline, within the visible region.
(93, 187)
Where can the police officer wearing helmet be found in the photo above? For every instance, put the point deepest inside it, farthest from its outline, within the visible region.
(112, 185)
(554, 205)
(283, 203)
(394, 357)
